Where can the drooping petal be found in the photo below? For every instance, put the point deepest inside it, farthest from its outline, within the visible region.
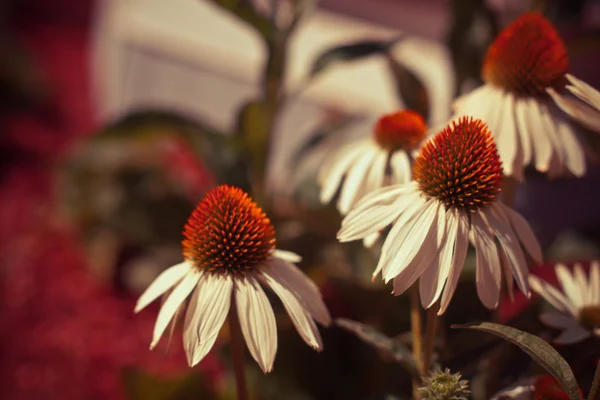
(302, 287)
(584, 91)
(569, 285)
(507, 142)
(410, 240)
(542, 148)
(175, 299)
(572, 147)
(458, 260)
(523, 231)
(375, 211)
(552, 295)
(508, 277)
(488, 274)
(582, 113)
(355, 183)
(594, 284)
(557, 320)
(581, 281)
(436, 275)
(401, 169)
(496, 221)
(288, 256)
(425, 257)
(574, 334)
(257, 321)
(163, 282)
(521, 109)
(331, 177)
(213, 300)
(301, 318)
(376, 173)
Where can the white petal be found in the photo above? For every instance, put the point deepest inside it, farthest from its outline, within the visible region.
(508, 277)
(497, 222)
(354, 185)
(542, 148)
(213, 300)
(413, 210)
(375, 211)
(582, 113)
(410, 240)
(488, 274)
(458, 260)
(298, 314)
(557, 320)
(432, 281)
(163, 282)
(257, 321)
(426, 256)
(552, 295)
(287, 256)
(521, 110)
(594, 284)
(584, 91)
(303, 288)
(557, 160)
(507, 142)
(524, 232)
(569, 285)
(572, 148)
(574, 334)
(582, 283)
(370, 240)
(376, 173)
(401, 169)
(331, 180)
(175, 299)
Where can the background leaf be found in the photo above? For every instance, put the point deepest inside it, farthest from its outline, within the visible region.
(409, 88)
(350, 52)
(246, 11)
(538, 349)
(381, 342)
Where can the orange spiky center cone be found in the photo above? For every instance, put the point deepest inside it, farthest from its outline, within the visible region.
(401, 130)
(527, 57)
(460, 166)
(228, 233)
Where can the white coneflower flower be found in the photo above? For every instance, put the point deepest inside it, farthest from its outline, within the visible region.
(229, 248)
(586, 114)
(525, 59)
(453, 200)
(364, 162)
(578, 305)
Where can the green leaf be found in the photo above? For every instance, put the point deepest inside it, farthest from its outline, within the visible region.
(536, 348)
(244, 10)
(381, 342)
(350, 52)
(409, 88)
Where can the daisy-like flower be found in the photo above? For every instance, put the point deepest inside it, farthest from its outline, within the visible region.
(526, 59)
(364, 163)
(578, 306)
(229, 248)
(452, 201)
(586, 114)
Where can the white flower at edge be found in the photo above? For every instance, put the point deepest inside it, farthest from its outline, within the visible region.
(588, 113)
(453, 201)
(363, 164)
(577, 306)
(526, 59)
(229, 253)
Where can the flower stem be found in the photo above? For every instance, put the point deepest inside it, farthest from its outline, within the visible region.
(432, 319)
(595, 390)
(237, 354)
(416, 328)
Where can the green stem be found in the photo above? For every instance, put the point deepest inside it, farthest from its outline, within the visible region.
(432, 319)
(416, 328)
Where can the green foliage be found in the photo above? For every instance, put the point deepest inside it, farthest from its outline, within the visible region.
(538, 349)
